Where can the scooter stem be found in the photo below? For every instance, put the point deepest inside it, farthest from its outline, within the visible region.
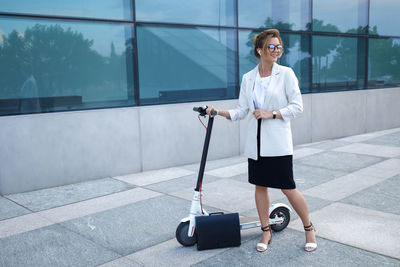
(204, 155)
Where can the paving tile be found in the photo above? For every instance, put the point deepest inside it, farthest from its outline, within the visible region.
(180, 183)
(392, 139)
(219, 194)
(22, 224)
(9, 209)
(229, 171)
(367, 229)
(304, 176)
(287, 250)
(328, 145)
(133, 227)
(313, 204)
(95, 205)
(383, 170)
(342, 187)
(342, 161)
(63, 195)
(244, 177)
(121, 262)
(305, 151)
(369, 149)
(52, 246)
(383, 197)
(215, 164)
(368, 136)
(171, 253)
(152, 177)
(41, 219)
(309, 176)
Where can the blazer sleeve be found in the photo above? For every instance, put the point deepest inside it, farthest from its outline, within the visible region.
(293, 95)
(242, 108)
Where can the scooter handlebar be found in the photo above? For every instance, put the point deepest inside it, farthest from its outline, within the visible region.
(202, 110)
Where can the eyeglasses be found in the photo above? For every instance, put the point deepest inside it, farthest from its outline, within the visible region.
(272, 47)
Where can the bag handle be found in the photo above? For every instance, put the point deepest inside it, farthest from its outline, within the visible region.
(216, 213)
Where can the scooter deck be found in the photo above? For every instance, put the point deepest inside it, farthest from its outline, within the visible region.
(249, 222)
(248, 219)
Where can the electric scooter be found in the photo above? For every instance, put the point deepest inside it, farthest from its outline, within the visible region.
(279, 213)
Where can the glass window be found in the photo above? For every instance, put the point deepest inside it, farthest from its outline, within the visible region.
(296, 55)
(340, 16)
(384, 17)
(384, 62)
(102, 9)
(338, 63)
(49, 65)
(186, 64)
(282, 14)
(206, 12)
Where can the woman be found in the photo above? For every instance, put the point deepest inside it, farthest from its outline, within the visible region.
(270, 92)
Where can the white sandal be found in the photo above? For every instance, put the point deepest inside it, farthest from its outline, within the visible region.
(263, 245)
(313, 246)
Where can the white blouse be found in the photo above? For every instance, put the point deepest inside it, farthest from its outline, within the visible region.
(260, 90)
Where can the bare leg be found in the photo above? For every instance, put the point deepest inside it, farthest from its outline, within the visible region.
(262, 203)
(299, 204)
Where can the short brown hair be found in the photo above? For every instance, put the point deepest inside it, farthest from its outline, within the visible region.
(261, 40)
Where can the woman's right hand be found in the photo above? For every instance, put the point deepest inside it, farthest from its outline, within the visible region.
(209, 109)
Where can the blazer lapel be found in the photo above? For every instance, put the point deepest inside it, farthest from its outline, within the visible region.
(272, 85)
(252, 80)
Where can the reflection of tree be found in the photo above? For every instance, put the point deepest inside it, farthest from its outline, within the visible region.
(269, 24)
(63, 62)
(340, 59)
(301, 65)
(347, 64)
(384, 61)
(323, 49)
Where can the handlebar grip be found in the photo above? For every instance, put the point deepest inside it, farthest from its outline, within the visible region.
(213, 112)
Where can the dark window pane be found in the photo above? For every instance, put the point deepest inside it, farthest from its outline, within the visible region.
(186, 64)
(206, 12)
(296, 55)
(50, 65)
(384, 17)
(282, 14)
(340, 16)
(102, 9)
(338, 63)
(384, 62)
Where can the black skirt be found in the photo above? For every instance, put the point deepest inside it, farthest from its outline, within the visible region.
(274, 172)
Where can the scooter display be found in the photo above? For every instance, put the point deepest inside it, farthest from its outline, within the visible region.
(279, 213)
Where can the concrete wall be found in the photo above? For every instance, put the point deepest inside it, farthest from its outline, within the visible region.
(45, 150)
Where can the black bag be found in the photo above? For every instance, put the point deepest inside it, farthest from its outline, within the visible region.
(218, 230)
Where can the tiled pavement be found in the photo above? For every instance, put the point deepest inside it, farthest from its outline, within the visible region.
(352, 186)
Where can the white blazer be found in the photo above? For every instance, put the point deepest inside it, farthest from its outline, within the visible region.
(284, 95)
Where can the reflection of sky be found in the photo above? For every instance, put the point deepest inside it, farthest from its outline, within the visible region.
(106, 9)
(385, 14)
(344, 14)
(218, 35)
(254, 13)
(116, 33)
(244, 49)
(212, 12)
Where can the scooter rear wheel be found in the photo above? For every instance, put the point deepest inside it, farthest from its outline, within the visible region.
(182, 235)
(283, 213)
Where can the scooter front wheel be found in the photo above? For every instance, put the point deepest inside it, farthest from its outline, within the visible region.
(182, 235)
(283, 213)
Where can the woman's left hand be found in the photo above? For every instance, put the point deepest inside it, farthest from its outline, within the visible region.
(262, 114)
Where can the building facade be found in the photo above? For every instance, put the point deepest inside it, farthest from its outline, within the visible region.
(93, 89)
